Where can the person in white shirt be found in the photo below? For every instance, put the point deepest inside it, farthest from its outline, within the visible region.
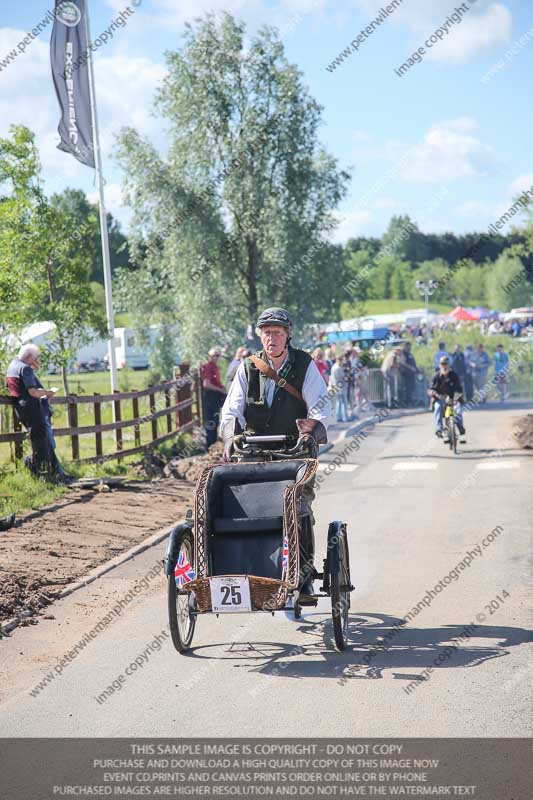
(261, 406)
(338, 389)
(298, 405)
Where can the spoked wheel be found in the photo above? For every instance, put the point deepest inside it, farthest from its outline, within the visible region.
(338, 562)
(181, 604)
(452, 434)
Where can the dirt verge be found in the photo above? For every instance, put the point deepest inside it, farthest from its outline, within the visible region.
(524, 432)
(50, 548)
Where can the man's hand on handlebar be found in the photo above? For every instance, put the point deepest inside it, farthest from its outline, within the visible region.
(314, 428)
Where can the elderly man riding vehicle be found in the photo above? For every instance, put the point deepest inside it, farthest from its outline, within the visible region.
(278, 391)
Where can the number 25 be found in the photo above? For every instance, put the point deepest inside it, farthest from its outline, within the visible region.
(235, 596)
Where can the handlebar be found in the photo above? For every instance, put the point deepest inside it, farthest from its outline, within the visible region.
(449, 399)
(247, 445)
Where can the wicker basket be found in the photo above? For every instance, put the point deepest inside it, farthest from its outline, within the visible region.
(266, 594)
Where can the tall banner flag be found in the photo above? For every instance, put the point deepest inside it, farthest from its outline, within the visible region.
(68, 54)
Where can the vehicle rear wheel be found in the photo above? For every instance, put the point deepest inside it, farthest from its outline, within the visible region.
(340, 584)
(181, 604)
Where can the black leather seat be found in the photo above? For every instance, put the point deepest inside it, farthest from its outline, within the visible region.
(246, 524)
(245, 516)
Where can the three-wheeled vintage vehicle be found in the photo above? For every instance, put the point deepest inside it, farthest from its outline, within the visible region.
(242, 549)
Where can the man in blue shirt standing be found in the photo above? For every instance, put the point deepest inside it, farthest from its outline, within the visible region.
(33, 409)
(481, 362)
(441, 352)
(501, 360)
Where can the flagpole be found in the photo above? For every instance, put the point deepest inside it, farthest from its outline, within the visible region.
(103, 215)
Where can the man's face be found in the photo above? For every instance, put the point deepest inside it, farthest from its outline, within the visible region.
(444, 369)
(274, 339)
(215, 357)
(34, 362)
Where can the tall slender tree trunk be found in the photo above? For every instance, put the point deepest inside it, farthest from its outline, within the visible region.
(253, 265)
(60, 337)
(64, 373)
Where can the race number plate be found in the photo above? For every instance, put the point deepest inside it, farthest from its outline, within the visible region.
(230, 595)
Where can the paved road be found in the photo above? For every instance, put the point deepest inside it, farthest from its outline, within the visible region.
(414, 512)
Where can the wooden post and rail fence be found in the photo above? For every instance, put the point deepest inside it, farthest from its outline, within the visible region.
(176, 403)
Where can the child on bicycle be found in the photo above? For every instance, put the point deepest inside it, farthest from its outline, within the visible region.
(446, 383)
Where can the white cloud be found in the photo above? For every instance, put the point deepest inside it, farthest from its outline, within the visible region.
(362, 136)
(386, 203)
(473, 209)
(449, 151)
(286, 15)
(474, 33)
(172, 15)
(353, 223)
(124, 89)
(484, 25)
(521, 183)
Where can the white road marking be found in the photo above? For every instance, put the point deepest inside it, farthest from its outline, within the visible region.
(339, 467)
(412, 465)
(497, 464)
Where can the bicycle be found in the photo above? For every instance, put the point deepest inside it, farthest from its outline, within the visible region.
(450, 423)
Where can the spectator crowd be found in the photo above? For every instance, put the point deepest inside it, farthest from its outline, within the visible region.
(344, 368)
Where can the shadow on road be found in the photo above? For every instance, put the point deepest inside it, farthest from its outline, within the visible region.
(464, 452)
(376, 644)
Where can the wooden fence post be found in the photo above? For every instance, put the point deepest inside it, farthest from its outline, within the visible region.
(168, 403)
(186, 394)
(177, 394)
(136, 428)
(151, 399)
(198, 395)
(73, 423)
(17, 427)
(118, 418)
(98, 421)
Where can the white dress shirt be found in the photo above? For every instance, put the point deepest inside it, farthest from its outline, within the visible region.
(314, 391)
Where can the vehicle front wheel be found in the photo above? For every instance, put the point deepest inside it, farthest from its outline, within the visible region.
(340, 584)
(181, 604)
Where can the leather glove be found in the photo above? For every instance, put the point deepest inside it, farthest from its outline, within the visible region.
(227, 432)
(314, 428)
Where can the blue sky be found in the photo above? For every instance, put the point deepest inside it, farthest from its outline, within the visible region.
(439, 143)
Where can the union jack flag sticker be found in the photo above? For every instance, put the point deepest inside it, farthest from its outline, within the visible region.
(184, 572)
(285, 558)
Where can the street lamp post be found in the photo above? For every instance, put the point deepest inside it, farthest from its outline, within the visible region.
(426, 290)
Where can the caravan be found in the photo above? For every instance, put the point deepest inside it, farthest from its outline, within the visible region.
(132, 349)
(131, 346)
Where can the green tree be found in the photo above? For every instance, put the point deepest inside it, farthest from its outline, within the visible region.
(403, 240)
(238, 212)
(74, 203)
(400, 280)
(469, 283)
(44, 268)
(436, 269)
(360, 268)
(507, 284)
(382, 279)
